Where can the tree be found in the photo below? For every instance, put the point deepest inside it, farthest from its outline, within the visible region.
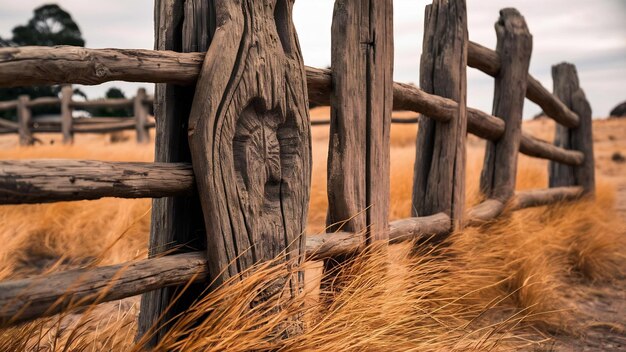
(50, 25)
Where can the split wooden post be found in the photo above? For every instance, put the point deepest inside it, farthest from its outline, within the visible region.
(361, 106)
(249, 135)
(176, 222)
(66, 114)
(23, 119)
(141, 116)
(514, 47)
(567, 89)
(439, 175)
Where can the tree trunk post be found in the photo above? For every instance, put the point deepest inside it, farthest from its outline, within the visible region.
(567, 89)
(176, 224)
(249, 134)
(24, 117)
(66, 114)
(361, 106)
(141, 116)
(439, 175)
(514, 47)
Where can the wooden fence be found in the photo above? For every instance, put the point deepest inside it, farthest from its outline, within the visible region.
(233, 152)
(68, 125)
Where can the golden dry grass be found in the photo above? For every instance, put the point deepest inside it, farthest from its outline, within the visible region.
(503, 286)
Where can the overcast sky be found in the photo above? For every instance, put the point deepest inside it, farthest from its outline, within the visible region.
(590, 34)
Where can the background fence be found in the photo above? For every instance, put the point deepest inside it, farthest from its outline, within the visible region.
(68, 125)
(232, 163)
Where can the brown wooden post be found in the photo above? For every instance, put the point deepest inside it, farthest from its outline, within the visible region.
(439, 177)
(66, 114)
(514, 47)
(141, 116)
(176, 221)
(23, 119)
(361, 106)
(567, 89)
(249, 135)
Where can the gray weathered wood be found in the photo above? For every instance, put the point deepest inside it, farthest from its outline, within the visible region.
(538, 148)
(567, 88)
(514, 48)
(103, 103)
(23, 120)
(439, 176)
(488, 61)
(66, 114)
(108, 127)
(176, 221)
(486, 211)
(53, 180)
(44, 101)
(249, 135)
(141, 116)
(361, 106)
(541, 197)
(8, 105)
(27, 299)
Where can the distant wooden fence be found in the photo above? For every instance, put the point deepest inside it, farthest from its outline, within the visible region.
(68, 125)
(233, 162)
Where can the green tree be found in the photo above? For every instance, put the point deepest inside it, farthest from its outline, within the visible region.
(50, 25)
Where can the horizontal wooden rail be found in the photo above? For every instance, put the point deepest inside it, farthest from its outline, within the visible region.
(8, 124)
(107, 127)
(50, 180)
(43, 101)
(488, 62)
(102, 103)
(27, 299)
(8, 105)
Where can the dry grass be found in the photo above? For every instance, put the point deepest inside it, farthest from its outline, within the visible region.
(504, 286)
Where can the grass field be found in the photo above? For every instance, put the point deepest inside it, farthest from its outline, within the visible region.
(543, 278)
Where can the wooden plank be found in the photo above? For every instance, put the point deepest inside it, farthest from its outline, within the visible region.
(567, 88)
(484, 212)
(8, 124)
(538, 148)
(106, 127)
(249, 135)
(361, 106)
(44, 101)
(23, 120)
(541, 197)
(497, 180)
(27, 299)
(103, 103)
(141, 116)
(488, 61)
(8, 105)
(66, 114)
(439, 177)
(53, 180)
(176, 221)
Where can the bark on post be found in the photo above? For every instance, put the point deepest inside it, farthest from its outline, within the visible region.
(439, 176)
(23, 119)
(250, 141)
(567, 89)
(176, 221)
(514, 47)
(362, 102)
(66, 114)
(141, 116)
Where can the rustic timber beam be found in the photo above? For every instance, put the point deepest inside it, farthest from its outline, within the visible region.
(102, 103)
(50, 180)
(108, 127)
(43, 101)
(8, 124)
(488, 61)
(484, 212)
(8, 105)
(541, 197)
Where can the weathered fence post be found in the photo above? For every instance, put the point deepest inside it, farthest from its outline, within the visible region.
(514, 47)
(439, 175)
(362, 102)
(141, 116)
(567, 89)
(66, 114)
(23, 119)
(176, 222)
(249, 134)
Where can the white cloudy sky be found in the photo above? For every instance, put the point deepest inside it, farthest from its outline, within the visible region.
(590, 34)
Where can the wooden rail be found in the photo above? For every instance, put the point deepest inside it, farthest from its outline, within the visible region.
(246, 168)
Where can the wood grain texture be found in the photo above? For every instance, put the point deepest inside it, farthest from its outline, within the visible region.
(141, 116)
(488, 61)
(497, 180)
(567, 88)
(43, 101)
(439, 177)
(27, 299)
(176, 222)
(23, 120)
(53, 180)
(249, 135)
(361, 106)
(541, 197)
(67, 119)
(538, 148)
